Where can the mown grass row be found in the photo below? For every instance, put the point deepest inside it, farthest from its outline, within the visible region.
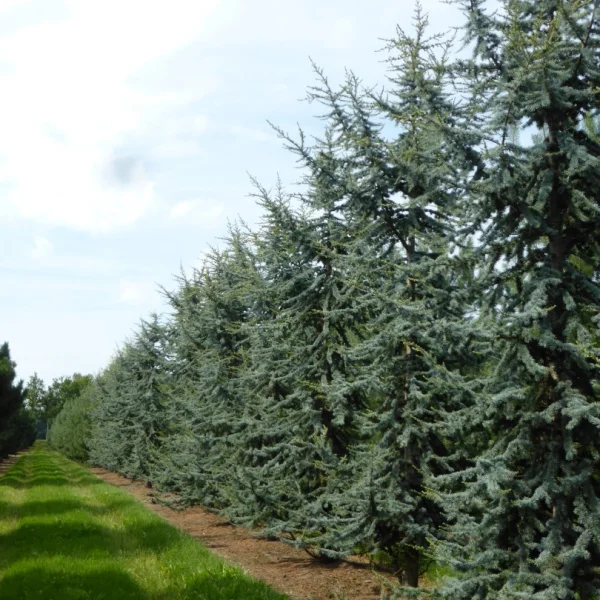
(66, 535)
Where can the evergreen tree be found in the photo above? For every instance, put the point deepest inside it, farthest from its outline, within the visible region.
(16, 426)
(210, 310)
(251, 499)
(527, 521)
(144, 421)
(130, 416)
(71, 428)
(413, 354)
(109, 446)
(306, 397)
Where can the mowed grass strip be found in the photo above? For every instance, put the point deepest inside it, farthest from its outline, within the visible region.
(66, 535)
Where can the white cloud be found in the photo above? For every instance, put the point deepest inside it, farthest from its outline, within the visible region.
(256, 135)
(179, 137)
(135, 292)
(6, 4)
(197, 211)
(68, 103)
(278, 88)
(68, 186)
(72, 263)
(42, 248)
(341, 34)
(194, 125)
(175, 148)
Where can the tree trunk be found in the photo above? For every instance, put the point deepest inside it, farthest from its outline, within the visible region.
(411, 568)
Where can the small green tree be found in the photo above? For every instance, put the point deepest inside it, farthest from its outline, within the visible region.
(71, 428)
(36, 391)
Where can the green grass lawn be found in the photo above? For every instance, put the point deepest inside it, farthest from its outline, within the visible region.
(66, 535)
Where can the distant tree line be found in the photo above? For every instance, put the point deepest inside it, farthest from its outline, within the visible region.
(403, 360)
(27, 413)
(46, 403)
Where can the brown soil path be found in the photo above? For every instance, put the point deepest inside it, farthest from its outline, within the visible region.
(287, 569)
(7, 463)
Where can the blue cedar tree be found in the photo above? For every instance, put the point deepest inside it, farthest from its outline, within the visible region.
(417, 360)
(129, 416)
(528, 519)
(210, 310)
(304, 417)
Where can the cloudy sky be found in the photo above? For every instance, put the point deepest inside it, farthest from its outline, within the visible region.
(128, 129)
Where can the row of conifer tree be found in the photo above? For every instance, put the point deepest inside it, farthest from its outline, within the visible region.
(403, 359)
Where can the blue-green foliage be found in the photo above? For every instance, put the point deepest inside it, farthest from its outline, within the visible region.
(129, 408)
(527, 521)
(413, 355)
(211, 310)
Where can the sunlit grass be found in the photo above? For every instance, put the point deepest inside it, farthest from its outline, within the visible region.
(66, 535)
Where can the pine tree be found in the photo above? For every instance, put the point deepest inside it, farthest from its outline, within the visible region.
(16, 426)
(527, 520)
(252, 500)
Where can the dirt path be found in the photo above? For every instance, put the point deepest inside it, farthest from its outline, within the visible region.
(7, 463)
(287, 569)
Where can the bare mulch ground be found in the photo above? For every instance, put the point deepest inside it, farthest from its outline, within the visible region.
(287, 569)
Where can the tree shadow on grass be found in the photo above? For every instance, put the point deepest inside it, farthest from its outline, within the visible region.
(75, 539)
(69, 544)
(45, 508)
(61, 551)
(37, 583)
(36, 481)
(112, 583)
(13, 481)
(19, 480)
